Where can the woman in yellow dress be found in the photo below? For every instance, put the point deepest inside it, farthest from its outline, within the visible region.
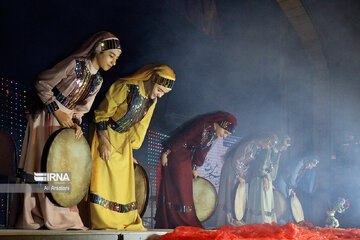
(122, 120)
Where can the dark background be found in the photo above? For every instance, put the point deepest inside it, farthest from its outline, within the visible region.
(240, 56)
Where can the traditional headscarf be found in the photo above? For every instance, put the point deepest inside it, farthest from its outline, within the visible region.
(313, 159)
(160, 74)
(90, 46)
(99, 42)
(284, 140)
(225, 120)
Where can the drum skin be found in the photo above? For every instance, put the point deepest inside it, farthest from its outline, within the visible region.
(296, 209)
(65, 154)
(142, 189)
(205, 198)
(280, 204)
(240, 201)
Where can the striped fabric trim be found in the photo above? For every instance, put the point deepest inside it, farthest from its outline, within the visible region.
(113, 206)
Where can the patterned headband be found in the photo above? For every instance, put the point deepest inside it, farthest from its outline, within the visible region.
(229, 126)
(165, 82)
(110, 44)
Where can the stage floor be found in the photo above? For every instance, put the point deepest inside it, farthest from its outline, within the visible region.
(19, 234)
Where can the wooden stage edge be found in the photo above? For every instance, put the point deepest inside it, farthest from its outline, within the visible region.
(19, 234)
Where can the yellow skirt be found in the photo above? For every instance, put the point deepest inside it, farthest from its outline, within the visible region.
(112, 187)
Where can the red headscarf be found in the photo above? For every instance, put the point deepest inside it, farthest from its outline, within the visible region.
(224, 119)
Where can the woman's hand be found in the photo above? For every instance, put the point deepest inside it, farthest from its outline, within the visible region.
(266, 184)
(164, 159)
(104, 147)
(105, 150)
(78, 131)
(195, 174)
(64, 119)
(242, 182)
(291, 192)
(135, 161)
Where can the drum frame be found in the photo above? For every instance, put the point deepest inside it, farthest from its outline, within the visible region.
(44, 156)
(235, 198)
(216, 199)
(293, 201)
(148, 189)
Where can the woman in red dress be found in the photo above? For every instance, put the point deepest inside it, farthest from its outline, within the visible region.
(184, 151)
